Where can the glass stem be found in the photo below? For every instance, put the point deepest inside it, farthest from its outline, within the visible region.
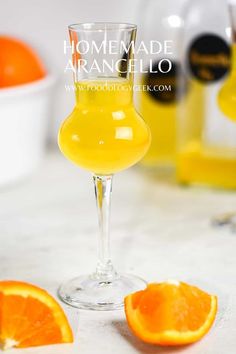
(103, 190)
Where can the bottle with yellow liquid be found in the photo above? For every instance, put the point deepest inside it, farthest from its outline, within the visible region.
(160, 21)
(227, 104)
(206, 138)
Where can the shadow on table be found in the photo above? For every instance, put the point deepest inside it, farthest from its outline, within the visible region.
(141, 347)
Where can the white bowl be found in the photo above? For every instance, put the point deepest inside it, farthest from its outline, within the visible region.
(25, 114)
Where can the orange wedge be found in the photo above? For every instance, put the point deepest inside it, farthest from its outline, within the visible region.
(171, 313)
(30, 317)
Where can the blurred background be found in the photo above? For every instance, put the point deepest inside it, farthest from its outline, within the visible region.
(43, 24)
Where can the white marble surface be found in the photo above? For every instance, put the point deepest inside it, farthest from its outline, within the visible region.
(48, 231)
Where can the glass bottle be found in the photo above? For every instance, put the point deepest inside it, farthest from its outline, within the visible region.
(159, 21)
(227, 93)
(206, 138)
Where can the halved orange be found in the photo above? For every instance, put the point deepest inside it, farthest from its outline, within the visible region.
(171, 313)
(29, 317)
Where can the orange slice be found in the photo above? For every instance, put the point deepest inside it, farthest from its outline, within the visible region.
(29, 317)
(171, 313)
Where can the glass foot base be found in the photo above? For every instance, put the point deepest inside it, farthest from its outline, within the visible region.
(87, 292)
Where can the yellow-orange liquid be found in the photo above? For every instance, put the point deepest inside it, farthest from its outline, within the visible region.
(161, 119)
(213, 166)
(200, 162)
(104, 134)
(227, 94)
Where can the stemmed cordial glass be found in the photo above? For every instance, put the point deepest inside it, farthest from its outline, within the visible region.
(104, 134)
(227, 103)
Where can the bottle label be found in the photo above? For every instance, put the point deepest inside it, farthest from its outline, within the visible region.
(209, 58)
(162, 87)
